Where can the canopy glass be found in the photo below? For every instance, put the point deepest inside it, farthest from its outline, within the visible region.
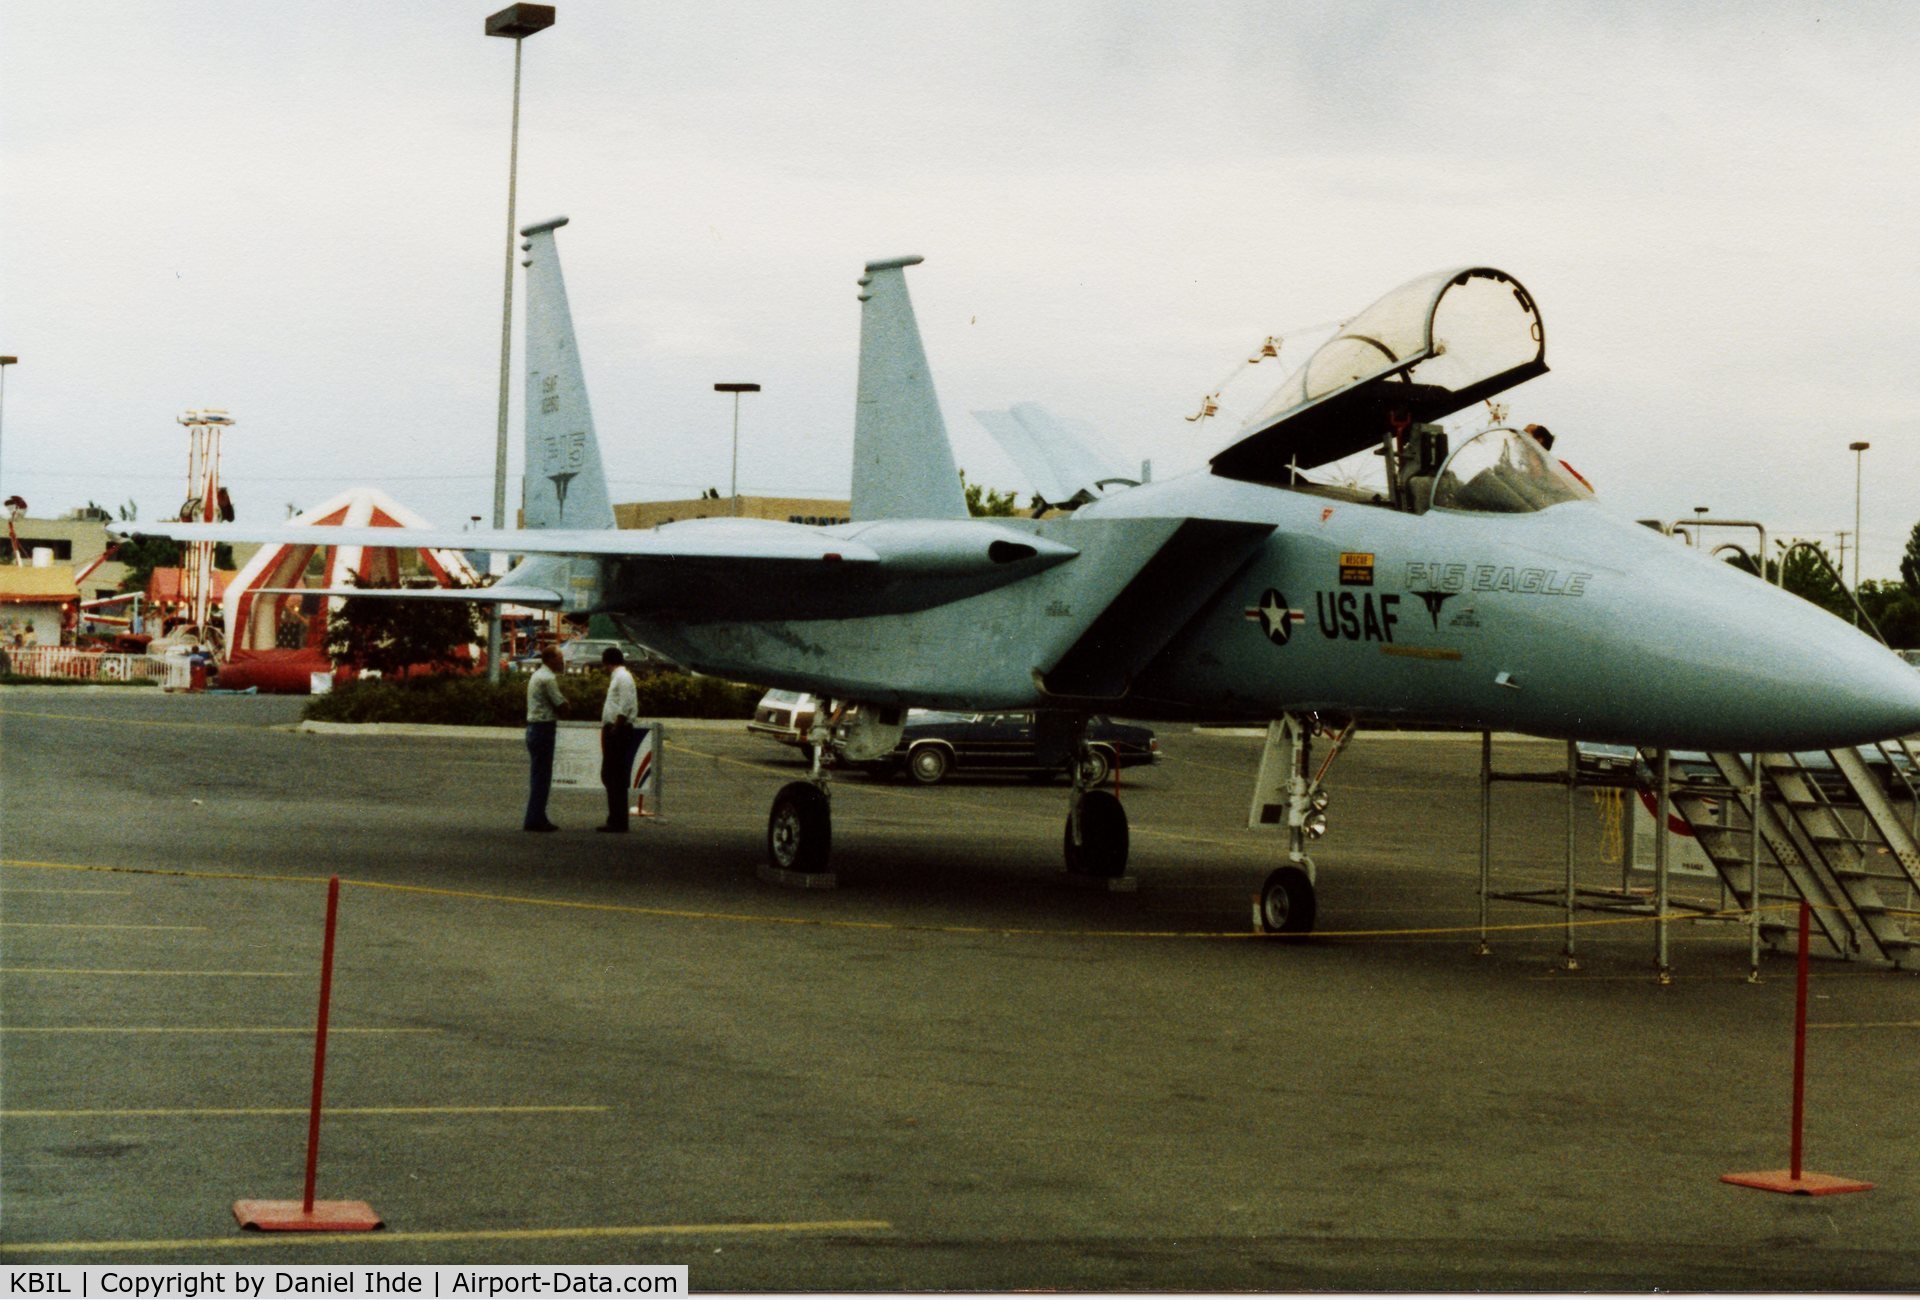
(1424, 351)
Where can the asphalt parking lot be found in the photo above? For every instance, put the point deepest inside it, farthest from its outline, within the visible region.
(955, 1071)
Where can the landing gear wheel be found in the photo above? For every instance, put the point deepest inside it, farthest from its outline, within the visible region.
(1102, 850)
(928, 764)
(800, 828)
(1095, 767)
(1287, 903)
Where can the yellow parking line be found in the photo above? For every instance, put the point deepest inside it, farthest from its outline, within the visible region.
(196, 1029)
(77, 970)
(358, 1112)
(88, 925)
(26, 890)
(364, 1239)
(1863, 1024)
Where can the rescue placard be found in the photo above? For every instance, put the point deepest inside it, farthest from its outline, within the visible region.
(1356, 568)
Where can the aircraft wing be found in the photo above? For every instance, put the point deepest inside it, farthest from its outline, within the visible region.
(703, 539)
(705, 569)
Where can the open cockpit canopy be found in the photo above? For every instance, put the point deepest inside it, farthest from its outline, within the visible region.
(1429, 348)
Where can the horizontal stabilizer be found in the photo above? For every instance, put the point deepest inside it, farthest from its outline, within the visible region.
(1062, 466)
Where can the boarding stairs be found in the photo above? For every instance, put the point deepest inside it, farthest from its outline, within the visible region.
(1836, 838)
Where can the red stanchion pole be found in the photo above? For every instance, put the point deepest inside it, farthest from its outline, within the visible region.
(1800, 1041)
(1795, 1180)
(320, 1047)
(306, 1215)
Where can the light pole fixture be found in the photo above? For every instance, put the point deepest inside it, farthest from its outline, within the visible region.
(1859, 538)
(515, 22)
(736, 389)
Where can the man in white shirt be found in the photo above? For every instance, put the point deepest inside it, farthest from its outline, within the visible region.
(544, 702)
(619, 737)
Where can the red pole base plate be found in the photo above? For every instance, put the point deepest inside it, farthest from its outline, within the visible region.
(293, 1216)
(1782, 1180)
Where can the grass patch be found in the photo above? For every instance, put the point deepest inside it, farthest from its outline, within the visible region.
(476, 702)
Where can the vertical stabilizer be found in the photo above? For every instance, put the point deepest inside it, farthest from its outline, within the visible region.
(564, 486)
(902, 464)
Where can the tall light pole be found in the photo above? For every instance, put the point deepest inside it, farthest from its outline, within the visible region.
(1859, 538)
(733, 486)
(4, 363)
(515, 22)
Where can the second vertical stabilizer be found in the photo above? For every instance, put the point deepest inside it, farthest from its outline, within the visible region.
(902, 463)
(565, 486)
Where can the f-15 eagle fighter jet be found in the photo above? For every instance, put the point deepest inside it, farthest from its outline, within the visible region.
(1482, 587)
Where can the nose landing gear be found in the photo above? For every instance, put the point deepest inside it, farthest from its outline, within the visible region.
(1288, 789)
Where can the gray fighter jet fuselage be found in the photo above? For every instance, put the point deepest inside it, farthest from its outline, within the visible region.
(1482, 586)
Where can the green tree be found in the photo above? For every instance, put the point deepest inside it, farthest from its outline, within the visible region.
(395, 636)
(982, 500)
(1894, 610)
(1910, 563)
(143, 554)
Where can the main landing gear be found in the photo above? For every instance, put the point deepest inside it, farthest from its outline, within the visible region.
(1290, 789)
(800, 824)
(1096, 841)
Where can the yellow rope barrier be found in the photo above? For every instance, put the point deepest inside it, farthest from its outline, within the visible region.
(838, 923)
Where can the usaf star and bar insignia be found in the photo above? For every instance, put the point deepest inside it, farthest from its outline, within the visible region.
(1276, 619)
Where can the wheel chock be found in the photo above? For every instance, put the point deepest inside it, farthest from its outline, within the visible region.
(302, 1216)
(1807, 1184)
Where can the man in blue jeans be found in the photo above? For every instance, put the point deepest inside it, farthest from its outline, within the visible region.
(544, 703)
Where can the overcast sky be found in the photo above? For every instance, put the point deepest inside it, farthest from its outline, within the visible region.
(297, 212)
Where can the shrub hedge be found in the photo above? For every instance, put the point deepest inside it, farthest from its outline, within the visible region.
(474, 701)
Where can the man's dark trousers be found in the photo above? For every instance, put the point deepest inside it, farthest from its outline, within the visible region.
(616, 767)
(540, 740)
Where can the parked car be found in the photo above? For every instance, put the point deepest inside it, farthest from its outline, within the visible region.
(1623, 765)
(582, 654)
(936, 743)
(783, 715)
(1607, 764)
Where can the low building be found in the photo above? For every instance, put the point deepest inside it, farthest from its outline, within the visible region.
(74, 541)
(37, 602)
(787, 510)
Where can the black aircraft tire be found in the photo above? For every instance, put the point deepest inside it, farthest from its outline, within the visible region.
(1287, 902)
(1102, 850)
(799, 829)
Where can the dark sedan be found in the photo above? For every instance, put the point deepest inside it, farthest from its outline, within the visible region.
(935, 743)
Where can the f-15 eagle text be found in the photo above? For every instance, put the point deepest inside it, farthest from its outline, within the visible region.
(1495, 577)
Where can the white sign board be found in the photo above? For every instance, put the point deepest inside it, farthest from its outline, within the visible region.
(576, 763)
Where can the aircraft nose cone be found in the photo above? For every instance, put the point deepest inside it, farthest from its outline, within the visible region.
(1769, 670)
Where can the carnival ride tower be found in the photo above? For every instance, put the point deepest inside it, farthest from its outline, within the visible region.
(207, 502)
